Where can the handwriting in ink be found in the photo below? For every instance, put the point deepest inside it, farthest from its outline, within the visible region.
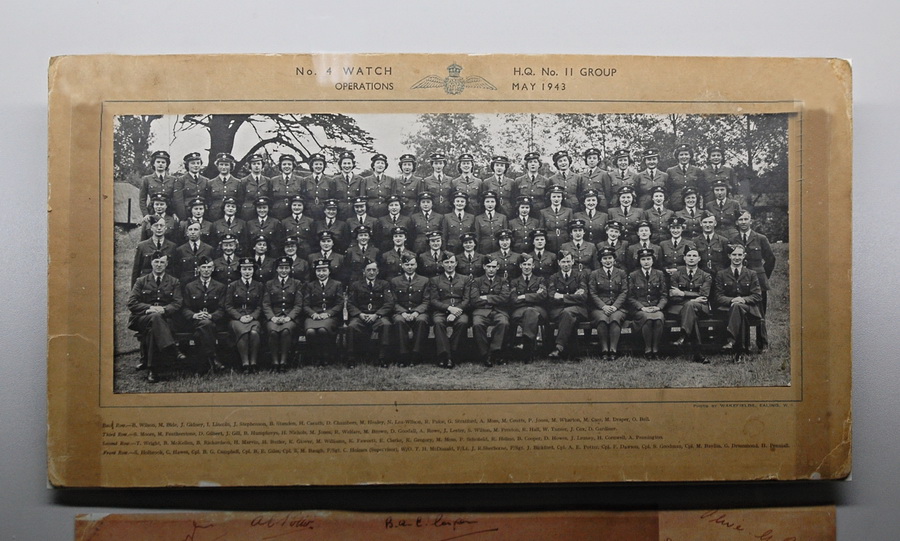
(288, 521)
(426, 522)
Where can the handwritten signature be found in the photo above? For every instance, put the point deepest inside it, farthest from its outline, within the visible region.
(722, 519)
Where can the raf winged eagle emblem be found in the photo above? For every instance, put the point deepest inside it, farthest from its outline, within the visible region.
(454, 84)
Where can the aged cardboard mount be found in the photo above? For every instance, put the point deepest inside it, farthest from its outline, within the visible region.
(99, 437)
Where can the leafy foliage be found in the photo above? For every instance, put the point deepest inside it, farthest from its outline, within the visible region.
(132, 138)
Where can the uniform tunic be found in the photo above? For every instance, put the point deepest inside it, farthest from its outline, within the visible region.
(243, 300)
(156, 327)
(411, 295)
(454, 228)
(585, 254)
(521, 231)
(571, 308)
(470, 264)
(186, 189)
(301, 227)
(530, 310)
(328, 300)
(219, 189)
(486, 229)
(572, 182)
(503, 187)
(680, 178)
(608, 288)
(152, 185)
(489, 311)
(376, 189)
(687, 307)
(440, 189)
(254, 188)
(143, 256)
(597, 179)
(644, 292)
(375, 298)
(422, 225)
(282, 299)
(535, 188)
(346, 188)
(283, 190)
(408, 190)
(646, 181)
(317, 188)
(209, 299)
(594, 225)
(556, 222)
(473, 187)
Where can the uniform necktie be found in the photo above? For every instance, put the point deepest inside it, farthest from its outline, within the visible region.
(736, 274)
(158, 280)
(625, 211)
(371, 285)
(247, 283)
(436, 255)
(566, 276)
(722, 205)
(158, 245)
(322, 285)
(347, 178)
(746, 236)
(675, 244)
(691, 276)
(609, 274)
(394, 219)
(708, 239)
(644, 245)
(228, 221)
(205, 286)
(591, 214)
(228, 260)
(691, 211)
(283, 282)
(490, 216)
(647, 275)
(532, 178)
(259, 261)
(460, 215)
(194, 247)
(440, 178)
(362, 221)
(427, 216)
(409, 278)
(329, 222)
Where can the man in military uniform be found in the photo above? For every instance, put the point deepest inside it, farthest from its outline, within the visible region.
(430, 261)
(489, 223)
(593, 218)
(488, 295)
(468, 184)
(144, 251)
(627, 214)
(585, 253)
(360, 253)
(608, 291)
(347, 185)
(643, 243)
(457, 222)
(392, 220)
(673, 248)
(299, 226)
(614, 241)
(159, 181)
(285, 186)
(203, 310)
(682, 176)
(567, 291)
(222, 186)
(647, 297)
(408, 186)
(191, 185)
(569, 180)
(726, 210)
(651, 177)
(339, 229)
(738, 295)
(326, 253)
(760, 258)
(691, 213)
(317, 188)
(658, 215)
(256, 185)
(528, 299)
(197, 209)
(154, 299)
(369, 305)
(392, 258)
(715, 172)
(187, 256)
(449, 302)
(508, 261)
(621, 176)
(227, 267)
(377, 187)
(282, 306)
(544, 259)
(230, 224)
(555, 219)
(522, 225)
(439, 184)
(266, 226)
(412, 295)
(469, 262)
(595, 178)
(532, 184)
(500, 185)
(712, 246)
(689, 291)
(425, 222)
(160, 209)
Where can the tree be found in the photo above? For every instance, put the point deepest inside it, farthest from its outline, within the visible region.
(451, 134)
(301, 135)
(132, 138)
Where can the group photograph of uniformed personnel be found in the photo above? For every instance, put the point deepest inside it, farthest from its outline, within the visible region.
(328, 252)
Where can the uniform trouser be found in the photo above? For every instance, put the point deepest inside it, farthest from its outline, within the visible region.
(419, 328)
(444, 344)
(690, 316)
(361, 331)
(528, 317)
(481, 320)
(762, 333)
(158, 335)
(739, 318)
(566, 319)
(205, 330)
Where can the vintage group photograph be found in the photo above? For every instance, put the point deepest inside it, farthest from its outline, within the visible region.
(366, 252)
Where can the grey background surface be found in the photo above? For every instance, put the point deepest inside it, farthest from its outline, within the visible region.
(864, 31)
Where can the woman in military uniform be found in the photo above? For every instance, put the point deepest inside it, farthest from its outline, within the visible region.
(243, 304)
(594, 218)
(627, 214)
(255, 185)
(282, 305)
(468, 183)
(377, 187)
(408, 186)
(457, 222)
(647, 296)
(500, 184)
(621, 176)
(285, 186)
(160, 207)
(595, 178)
(223, 186)
(522, 225)
(607, 290)
(323, 305)
(691, 214)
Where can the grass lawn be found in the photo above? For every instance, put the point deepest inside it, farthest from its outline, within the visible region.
(675, 371)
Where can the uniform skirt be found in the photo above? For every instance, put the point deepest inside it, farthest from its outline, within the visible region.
(330, 324)
(275, 328)
(240, 329)
(641, 317)
(600, 317)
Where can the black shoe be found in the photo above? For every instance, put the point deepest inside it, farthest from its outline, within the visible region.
(678, 341)
(382, 363)
(245, 369)
(698, 358)
(141, 365)
(216, 365)
(179, 356)
(555, 354)
(740, 358)
(448, 364)
(151, 377)
(729, 345)
(487, 361)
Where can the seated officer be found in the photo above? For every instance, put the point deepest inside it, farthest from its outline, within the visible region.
(243, 305)
(567, 290)
(614, 241)
(299, 265)
(544, 259)
(469, 262)
(522, 225)
(449, 301)
(226, 267)
(608, 289)
(282, 306)
(323, 305)
(528, 298)
(203, 310)
(555, 219)
(156, 243)
(489, 223)
(425, 222)
(457, 222)
(643, 243)
(488, 296)
(647, 296)
(339, 230)
(689, 289)
(430, 260)
(411, 299)
(326, 252)
(187, 256)
(594, 219)
(585, 253)
(393, 219)
(266, 226)
(392, 258)
(360, 253)
(154, 299)
(507, 259)
(369, 305)
(672, 249)
(299, 226)
(738, 294)
(160, 206)
(230, 224)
